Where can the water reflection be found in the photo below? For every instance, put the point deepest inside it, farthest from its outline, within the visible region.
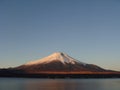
(52, 85)
(59, 84)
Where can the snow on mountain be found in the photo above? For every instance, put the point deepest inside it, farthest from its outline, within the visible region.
(59, 56)
(58, 62)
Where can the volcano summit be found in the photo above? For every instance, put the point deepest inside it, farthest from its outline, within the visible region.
(59, 63)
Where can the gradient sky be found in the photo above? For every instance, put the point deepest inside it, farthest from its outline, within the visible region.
(88, 30)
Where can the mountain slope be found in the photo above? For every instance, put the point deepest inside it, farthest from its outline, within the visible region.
(58, 62)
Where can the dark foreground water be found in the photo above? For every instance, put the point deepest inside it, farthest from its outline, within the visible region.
(58, 84)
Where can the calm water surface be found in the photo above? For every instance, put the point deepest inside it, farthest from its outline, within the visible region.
(58, 84)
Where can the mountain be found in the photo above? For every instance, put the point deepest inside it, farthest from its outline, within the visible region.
(59, 63)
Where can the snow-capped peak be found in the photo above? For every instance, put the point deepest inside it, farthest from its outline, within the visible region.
(62, 57)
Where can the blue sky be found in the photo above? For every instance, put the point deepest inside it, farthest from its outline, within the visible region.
(88, 30)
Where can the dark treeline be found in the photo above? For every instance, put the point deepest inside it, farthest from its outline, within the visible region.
(13, 73)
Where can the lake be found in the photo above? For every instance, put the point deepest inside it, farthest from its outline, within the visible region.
(58, 84)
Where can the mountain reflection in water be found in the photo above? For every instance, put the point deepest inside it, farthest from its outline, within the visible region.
(59, 84)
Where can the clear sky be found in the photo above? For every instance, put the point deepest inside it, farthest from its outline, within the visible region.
(88, 30)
